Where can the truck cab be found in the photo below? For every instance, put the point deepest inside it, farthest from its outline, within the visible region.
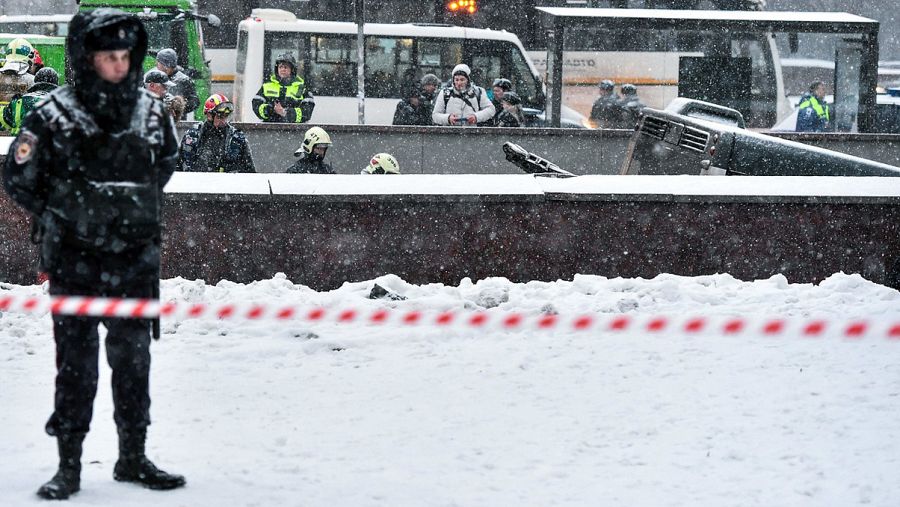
(170, 24)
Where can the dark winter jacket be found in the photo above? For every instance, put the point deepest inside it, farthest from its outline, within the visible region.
(18, 109)
(814, 115)
(631, 106)
(506, 119)
(306, 165)
(184, 86)
(408, 114)
(90, 163)
(207, 149)
(608, 112)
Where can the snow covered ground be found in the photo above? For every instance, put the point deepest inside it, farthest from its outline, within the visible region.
(268, 414)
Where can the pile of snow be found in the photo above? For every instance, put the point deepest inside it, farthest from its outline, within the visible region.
(292, 414)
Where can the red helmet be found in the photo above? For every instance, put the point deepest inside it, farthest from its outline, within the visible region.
(218, 104)
(37, 58)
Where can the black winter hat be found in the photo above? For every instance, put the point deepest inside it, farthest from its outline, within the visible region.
(511, 97)
(111, 37)
(47, 75)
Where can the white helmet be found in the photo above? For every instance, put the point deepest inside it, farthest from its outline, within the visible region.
(313, 136)
(382, 163)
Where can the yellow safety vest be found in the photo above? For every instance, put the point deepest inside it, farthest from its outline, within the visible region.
(822, 110)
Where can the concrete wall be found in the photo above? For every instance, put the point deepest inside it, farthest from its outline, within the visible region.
(443, 150)
(685, 225)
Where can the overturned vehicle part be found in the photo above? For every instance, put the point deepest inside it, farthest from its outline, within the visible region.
(693, 137)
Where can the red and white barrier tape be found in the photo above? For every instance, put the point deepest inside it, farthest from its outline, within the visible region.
(647, 324)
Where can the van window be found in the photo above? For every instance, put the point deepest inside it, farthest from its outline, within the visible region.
(492, 59)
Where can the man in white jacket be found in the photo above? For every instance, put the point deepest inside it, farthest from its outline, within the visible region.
(464, 103)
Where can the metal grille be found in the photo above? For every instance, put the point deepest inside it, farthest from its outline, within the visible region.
(655, 127)
(694, 139)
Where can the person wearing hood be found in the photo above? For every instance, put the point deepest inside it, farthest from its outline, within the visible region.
(312, 153)
(463, 103)
(90, 163)
(284, 97)
(45, 82)
(167, 62)
(215, 145)
(14, 76)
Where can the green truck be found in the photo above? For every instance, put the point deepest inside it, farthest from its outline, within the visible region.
(170, 24)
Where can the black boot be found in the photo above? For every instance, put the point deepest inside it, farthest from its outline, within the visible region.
(68, 478)
(133, 465)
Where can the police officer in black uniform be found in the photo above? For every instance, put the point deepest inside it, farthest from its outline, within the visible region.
(215, 145)
(91, 162)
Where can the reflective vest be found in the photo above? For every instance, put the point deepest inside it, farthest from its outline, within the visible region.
(289, 96)
(822, 110)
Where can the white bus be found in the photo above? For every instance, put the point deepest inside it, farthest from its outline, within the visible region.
(395, 54)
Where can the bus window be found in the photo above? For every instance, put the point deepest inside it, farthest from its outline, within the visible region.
(388, 66)
(241, 59)
(439, 56)
(332, 65)
(279, 43)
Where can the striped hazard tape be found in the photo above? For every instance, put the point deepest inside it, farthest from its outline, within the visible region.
(852, 329)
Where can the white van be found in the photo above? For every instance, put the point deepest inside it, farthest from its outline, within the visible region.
(395, 54)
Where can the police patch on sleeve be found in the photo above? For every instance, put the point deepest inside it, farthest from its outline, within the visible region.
(24, 147)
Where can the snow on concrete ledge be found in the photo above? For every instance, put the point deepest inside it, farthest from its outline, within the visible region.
(404, 184)
(602, 187)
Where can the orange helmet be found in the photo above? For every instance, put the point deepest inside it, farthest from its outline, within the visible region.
(218, 104)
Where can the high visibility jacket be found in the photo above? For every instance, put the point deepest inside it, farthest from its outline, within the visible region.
(15, 112)
(293, 97)
(813, 116)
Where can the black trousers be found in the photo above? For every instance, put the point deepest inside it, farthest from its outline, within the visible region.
(77, 350)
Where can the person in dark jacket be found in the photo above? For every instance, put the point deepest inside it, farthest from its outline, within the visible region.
(45, 82)
(412, 109)
(510, 114)
(815, 114)
(215, 146)
(498, 90)
(607, 111)
(312, 153)
(631, 106)
(90, 163)
(167, 61)
(284, 97)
